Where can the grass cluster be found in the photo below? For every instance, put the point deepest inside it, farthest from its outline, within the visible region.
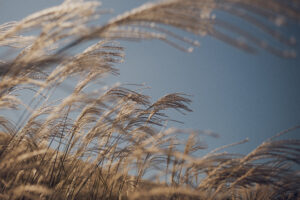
(112, 143)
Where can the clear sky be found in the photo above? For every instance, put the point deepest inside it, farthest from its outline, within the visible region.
(235, 94)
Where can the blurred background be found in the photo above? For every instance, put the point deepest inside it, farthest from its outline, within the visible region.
(235, 94)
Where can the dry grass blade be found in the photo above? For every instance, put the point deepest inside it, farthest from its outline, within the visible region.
(153, 21)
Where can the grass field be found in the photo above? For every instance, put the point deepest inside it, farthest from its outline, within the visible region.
(113, 143)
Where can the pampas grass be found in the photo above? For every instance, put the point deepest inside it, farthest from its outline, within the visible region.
(113, 143)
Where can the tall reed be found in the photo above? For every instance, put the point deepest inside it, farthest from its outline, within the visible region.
(113, 143)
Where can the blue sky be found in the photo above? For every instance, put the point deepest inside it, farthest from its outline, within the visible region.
(235, 94)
